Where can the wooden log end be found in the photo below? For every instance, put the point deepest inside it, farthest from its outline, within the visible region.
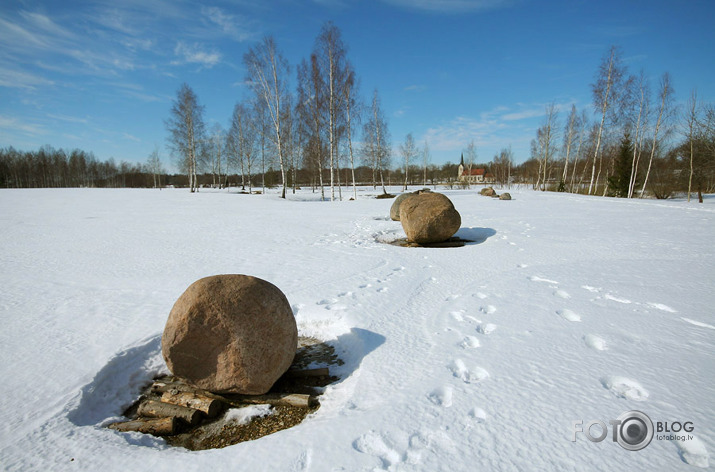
(155, 426)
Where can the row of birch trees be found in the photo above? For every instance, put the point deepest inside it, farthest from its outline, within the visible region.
(312, 126)
(585, 155)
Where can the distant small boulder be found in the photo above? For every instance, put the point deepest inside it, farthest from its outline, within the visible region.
(488, 192)
(429, 217)
(505, 196)
(230, 333)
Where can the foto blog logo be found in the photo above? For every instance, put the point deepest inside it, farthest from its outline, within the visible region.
(633, 430)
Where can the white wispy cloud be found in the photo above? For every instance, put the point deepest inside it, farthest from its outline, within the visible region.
(66, 118)
(451, 6)
(415, 88)
(19, 79)
(195, 54)
(230, 25)
(13, 124)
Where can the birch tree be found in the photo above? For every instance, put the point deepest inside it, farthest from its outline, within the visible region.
(570, 139)
(409, 151)
(691, 120)
(546, 136)
(186, 131)
(605, 93)
(425, 161)
(267, 72)
(641, 123)
(665, 95)
(155, 167)
(350, 108)
(331, 53)
(376, 141)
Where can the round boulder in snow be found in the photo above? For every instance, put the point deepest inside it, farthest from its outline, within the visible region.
(505, 196)
(230, 333)
(395, 208)
(488, 192)
(429, 218)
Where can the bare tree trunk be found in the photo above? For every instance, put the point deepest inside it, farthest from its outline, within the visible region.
(666, 91)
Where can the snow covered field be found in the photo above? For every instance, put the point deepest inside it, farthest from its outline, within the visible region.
(566, 308)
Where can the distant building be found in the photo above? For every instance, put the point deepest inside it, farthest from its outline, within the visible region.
(473, 176)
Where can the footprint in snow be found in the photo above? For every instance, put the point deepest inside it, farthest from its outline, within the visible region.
(377, 445)
(481, 295)
(382, 290)
(470, 342)
(608, 296)
(693, 451)
(590, 289)
(489, 309)
(595, 342)
(569, 315)
(442, 396)
(624, 387)
(697, 323)
(460, 370)
(562, 294)
(478, 414)
(486, 328)
(365, 285)
(536, 278)
(660, 306)
(457, 315)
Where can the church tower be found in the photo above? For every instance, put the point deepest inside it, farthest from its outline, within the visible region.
(460, 169)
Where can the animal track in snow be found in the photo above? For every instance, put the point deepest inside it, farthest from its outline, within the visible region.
(470, 342)
(536, 278)
(697, 323)
(608, 296)
(480, 295)
(375, 444)
(460, 370)
(660, 306)
(590, 289)
(486, 328)
(382, 290)
(489, 309)
(562, 294)
(693, 452)
(569, 315)
(478, 414)
(442, 396)
(595, 342)
(457, 315)
(625, 388)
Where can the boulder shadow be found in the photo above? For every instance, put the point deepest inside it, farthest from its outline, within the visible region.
(118, 384)
(475, 235)
(351, 348)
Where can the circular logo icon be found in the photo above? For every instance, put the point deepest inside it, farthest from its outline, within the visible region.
(635, 431)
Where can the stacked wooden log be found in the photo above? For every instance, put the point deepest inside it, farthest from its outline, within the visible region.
(171, 406)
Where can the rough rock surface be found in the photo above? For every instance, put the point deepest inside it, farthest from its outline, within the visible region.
(488, 192)
(505, 196)
(395, 208)
(429, 218)
(230, 333)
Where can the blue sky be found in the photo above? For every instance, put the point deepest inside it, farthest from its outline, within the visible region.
(100, 75)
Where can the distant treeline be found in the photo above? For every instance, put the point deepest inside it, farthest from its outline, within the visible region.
(49, 167)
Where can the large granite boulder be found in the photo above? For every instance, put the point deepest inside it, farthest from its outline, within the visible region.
(429, 218)
(230, 333)
(488, 192)
(395, 208)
